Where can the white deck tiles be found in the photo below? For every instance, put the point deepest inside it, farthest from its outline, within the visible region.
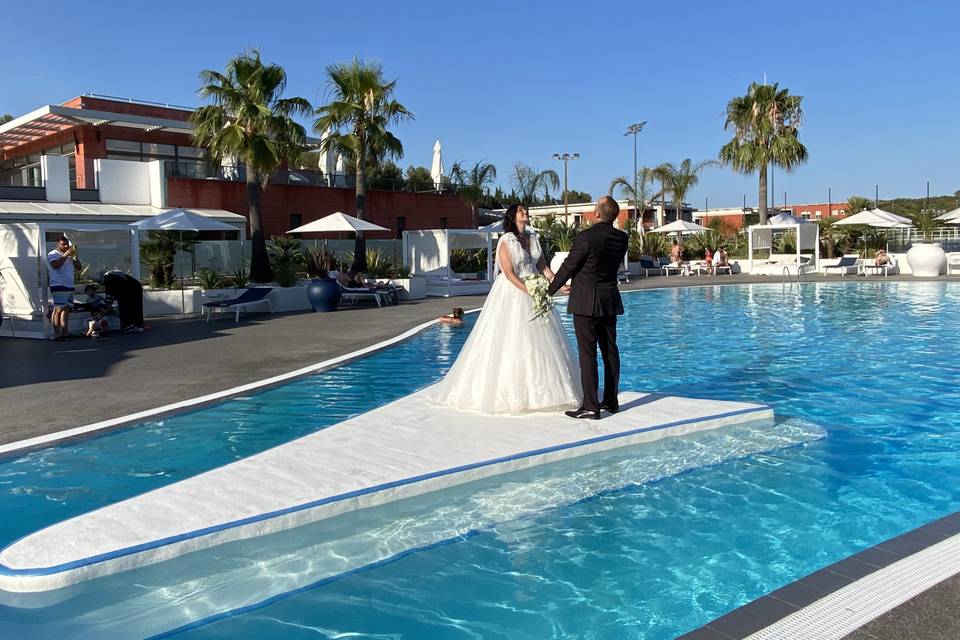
(403, 449)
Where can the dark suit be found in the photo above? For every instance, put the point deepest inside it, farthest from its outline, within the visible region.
(595, 303)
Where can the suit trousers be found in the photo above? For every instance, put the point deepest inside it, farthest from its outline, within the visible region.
(593, 332)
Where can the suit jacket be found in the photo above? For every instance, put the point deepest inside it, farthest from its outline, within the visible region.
(593, 263)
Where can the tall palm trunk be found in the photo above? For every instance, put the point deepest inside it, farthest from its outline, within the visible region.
(763, 194)
(259, 262)
(360, 245)
(475, 215)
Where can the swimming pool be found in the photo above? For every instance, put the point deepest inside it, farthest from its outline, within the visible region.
(873, 364)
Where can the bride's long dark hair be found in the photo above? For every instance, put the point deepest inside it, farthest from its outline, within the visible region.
(510, 221)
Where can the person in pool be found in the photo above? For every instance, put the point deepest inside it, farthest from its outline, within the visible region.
(455, 318)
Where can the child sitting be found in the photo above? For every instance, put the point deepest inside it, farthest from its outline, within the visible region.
(97, 325)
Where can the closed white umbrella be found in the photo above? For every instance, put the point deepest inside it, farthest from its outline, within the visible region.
(436, 169)
(182, 220)
(328, 159)
(785, 218)
(680, 226)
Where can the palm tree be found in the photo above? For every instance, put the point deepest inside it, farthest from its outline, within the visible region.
(680, 179)
(472, 185)
(643, 193)
(360, 110)
(765, 122)
(856, 204)
(664, 173)
(250, 121)
(527, 181)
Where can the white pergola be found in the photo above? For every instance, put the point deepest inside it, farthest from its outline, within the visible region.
(760, 236)
(427, 253)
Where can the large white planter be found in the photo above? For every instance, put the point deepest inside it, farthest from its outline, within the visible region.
(927, 259)
(558, 259)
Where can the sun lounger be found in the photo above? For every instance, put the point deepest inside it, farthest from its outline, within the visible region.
(648, 265)
(252, 296)
(847, 265)
(356, 294)
(681, 269)
(880, 269)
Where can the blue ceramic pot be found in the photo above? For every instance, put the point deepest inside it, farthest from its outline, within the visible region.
(323, 294)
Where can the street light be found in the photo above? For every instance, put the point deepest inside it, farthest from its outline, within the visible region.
(633, 130)
(566, 157)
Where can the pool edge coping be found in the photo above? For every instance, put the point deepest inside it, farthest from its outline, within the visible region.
(767, 613)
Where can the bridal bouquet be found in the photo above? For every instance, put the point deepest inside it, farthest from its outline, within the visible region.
(537, 287)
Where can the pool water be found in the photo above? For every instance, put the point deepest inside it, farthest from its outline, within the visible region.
(873, 365)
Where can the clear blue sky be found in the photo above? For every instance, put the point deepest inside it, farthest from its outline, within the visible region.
(518, 81)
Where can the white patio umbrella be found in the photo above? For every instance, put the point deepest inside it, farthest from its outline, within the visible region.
(182, 220)
(951, 217)
(875, 218)
(680, 226)
(785, 218)
(337, 222)
(436, 169)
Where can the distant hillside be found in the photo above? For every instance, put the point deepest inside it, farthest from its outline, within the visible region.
(912, 206)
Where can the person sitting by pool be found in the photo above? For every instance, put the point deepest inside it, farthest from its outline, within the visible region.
(708, 260)
(720, 258)
(881, 258)
(455, 318)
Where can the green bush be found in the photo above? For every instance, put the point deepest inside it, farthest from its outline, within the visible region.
(468, 260)
(286, 276)
(285, 252)
(240, 278)
(209, 278)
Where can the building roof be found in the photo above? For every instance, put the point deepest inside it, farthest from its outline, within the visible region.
(17, 211)
(53, 118)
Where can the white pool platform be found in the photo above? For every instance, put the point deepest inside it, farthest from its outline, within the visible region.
(404, 449)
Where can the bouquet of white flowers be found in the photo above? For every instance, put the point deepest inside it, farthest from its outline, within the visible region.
(537, 287)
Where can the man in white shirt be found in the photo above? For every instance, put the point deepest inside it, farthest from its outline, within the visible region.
(61, 262)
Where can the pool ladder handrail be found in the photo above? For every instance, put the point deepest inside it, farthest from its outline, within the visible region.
(787, 276)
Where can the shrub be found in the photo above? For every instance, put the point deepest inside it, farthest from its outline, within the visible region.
(240, 278)
(318, 262)
(209, 278)
(285, 276)
(285, 252)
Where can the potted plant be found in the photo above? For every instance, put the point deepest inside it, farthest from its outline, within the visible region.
(926, 258)
(562, 243)
(323, 292)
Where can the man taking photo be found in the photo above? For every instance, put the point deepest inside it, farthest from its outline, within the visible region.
(62, 262)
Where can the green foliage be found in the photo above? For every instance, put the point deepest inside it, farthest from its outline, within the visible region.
(856, 204)
(655, 245)
(698, 243)
(286, 276)
(209, 278)
(401, 272)
(385, 175)
(419, 179)
(5, 118)
(577, 197)
(159, 252)
(286, 252)
(680, 179)
(356, 125)
(926, 223)
(528, 184)
(468, 260)
(240, 279)
(250, 121)
(473, 185)
(785, 243)
(378, 266)
(765, 122)
(318, 262)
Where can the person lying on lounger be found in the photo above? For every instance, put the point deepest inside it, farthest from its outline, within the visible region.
(881, 258)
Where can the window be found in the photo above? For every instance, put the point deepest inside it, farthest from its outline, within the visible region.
(443, 223)
(296, 220)
(154, 151)
(818, 213)
(401, 226)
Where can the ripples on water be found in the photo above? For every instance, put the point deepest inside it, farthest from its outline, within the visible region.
(872, 365)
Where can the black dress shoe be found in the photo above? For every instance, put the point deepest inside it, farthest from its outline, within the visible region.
(583, 414)
(609, 408)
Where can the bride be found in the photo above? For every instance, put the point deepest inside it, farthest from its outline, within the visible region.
(511, 362)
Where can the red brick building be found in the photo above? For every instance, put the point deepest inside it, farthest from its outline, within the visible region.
(88, 128)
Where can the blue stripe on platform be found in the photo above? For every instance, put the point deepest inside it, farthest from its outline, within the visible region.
(119, 553)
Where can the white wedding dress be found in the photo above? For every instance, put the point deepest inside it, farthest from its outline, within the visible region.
(511, 363)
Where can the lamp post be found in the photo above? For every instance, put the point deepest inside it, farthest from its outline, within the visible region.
(566, 157)
(633, 130)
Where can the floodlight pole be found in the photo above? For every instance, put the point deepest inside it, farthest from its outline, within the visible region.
(633, 130)
(566, 157)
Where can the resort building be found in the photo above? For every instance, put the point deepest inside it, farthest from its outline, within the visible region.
(737, 217)
(655, 214)
(90, 128)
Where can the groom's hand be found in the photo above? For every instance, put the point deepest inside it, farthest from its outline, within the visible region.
(565, 289)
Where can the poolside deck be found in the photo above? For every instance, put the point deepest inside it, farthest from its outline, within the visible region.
(401, 450)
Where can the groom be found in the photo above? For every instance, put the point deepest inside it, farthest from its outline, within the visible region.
(595, 303)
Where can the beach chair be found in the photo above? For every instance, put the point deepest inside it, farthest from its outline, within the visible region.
(880, 269)
(252, 296)
(847, 264)
(648, 265)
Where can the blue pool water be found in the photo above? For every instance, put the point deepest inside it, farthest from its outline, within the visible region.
(875, 365)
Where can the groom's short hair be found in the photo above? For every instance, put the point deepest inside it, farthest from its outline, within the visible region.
(607, 209)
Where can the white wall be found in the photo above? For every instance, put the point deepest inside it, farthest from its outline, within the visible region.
(56, 177)
(123, 181)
